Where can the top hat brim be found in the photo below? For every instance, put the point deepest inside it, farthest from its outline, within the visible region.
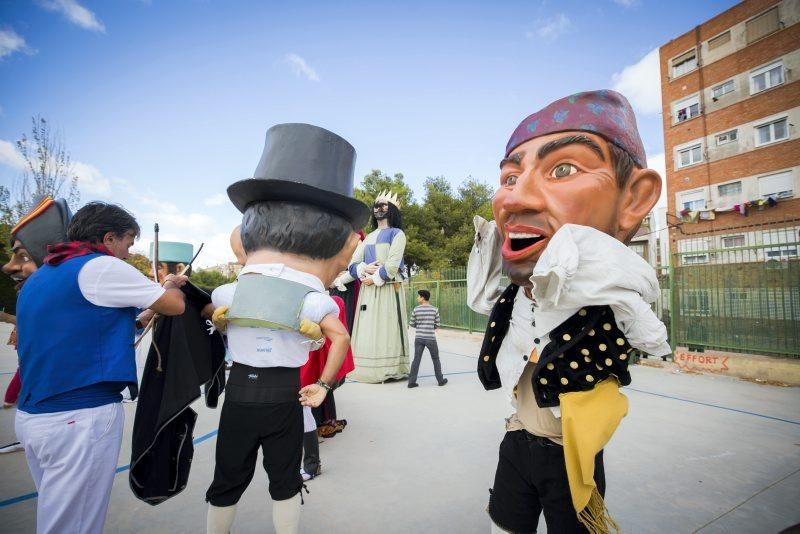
(245, 192)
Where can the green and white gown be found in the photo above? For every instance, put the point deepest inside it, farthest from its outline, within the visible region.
(380, 333)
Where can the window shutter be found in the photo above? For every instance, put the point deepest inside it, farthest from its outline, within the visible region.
(719, 40)
(763, 25)
(684, 57)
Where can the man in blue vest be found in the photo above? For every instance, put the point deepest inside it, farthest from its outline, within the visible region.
(76, 318)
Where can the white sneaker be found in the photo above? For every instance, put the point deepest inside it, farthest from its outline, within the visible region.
(11, 447)
(306, 476)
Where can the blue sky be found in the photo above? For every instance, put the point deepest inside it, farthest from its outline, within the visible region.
(163, 104)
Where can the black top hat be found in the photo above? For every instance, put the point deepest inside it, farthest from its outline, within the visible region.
(304, 163)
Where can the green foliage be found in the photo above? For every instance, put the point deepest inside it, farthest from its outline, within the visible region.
(142, 264)
(439, 228)
(8, 297)
(209, 279)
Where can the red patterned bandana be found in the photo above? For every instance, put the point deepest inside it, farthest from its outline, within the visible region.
(61, 252)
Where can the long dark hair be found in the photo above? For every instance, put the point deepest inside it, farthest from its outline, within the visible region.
(394, 217)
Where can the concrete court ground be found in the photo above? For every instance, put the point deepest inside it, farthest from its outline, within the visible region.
(696, 453)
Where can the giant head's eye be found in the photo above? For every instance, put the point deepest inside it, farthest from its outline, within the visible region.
(564, 169)
(510, 180)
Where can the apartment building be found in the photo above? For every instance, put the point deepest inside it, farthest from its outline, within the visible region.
(731, 115)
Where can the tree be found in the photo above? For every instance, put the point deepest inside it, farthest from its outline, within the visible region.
(48, 169)
(439, 230)
(376, 181)
(142, 263)
(209, 279)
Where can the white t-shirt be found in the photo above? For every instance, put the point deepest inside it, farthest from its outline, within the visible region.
(272, 347)
(110, 282)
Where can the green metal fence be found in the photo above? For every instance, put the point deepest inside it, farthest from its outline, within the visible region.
(449, 293)
(736, 291)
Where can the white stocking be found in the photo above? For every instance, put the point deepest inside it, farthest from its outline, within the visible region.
(220, 519)
(286, 515)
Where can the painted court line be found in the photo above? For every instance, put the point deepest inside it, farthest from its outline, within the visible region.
(205, 437)
(120, 469)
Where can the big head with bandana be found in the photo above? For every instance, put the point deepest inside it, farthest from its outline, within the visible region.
(579, 160)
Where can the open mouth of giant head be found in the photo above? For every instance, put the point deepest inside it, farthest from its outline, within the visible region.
(523, 241)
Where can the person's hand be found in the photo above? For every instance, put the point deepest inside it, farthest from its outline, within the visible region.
(368, 281)
(175, 281)
(371, 268)
(145, 317)
(7, 318)
(312, 395)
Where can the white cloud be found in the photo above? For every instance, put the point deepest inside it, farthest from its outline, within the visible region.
(641, 83)
(549, 29)
(10, 42)
(91, 181)
(10, 156)
(75, 13)
(300, 68)
(627, 3)
(216, 200)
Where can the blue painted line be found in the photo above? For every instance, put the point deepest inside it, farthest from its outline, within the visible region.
(713, 406)
(15, 500)
(120, 469)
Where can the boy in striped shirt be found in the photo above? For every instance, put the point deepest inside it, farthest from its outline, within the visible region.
(425, 319)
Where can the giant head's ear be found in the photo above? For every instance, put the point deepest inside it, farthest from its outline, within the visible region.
(639, 194)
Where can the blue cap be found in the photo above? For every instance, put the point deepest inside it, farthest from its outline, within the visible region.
(173, 252)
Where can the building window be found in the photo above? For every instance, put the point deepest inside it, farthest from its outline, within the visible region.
(790, 252)
(766, 23)
(727, 137)
(719, 40)
(722, 89)
(687, 109)
(690, 156)
(733, 241)
(776, 185)
(731, 191)
(684, 63)
(780, 244)
(694, 259)
(694, 201)
(771, 132)
(766, 77)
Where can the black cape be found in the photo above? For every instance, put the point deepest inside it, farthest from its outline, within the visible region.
(192, 354)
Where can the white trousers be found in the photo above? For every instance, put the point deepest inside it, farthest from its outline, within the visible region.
(73, 459)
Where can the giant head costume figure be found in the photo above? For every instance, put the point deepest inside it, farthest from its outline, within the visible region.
(45, 224)
(579, 160)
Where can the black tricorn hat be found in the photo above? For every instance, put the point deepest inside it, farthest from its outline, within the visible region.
(44, 224)
(304, 163)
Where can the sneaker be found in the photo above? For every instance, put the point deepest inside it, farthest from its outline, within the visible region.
(11, 447)
(412, 385)
(308, 476)
(443, 382)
